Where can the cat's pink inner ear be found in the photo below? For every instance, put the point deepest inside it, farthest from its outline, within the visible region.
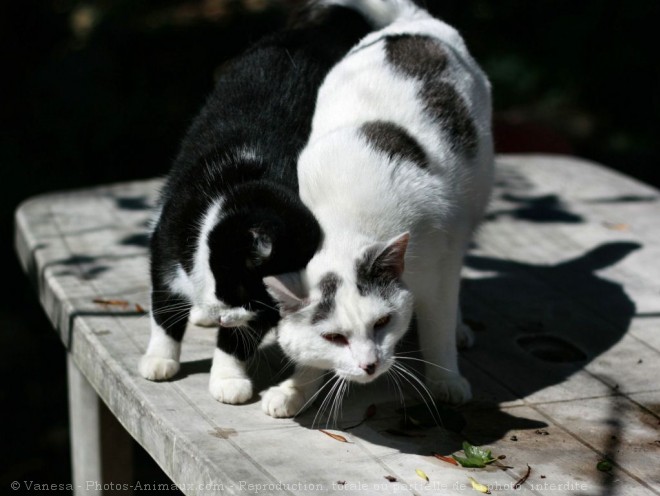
(394, 254)
(288, 290)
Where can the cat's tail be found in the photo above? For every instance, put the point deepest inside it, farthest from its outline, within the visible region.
(381, 13)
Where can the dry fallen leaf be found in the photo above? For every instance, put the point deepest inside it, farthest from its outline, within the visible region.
(390, 478)
(522, 480)
(479, 487)
(616, 226)
(105, 301)
(138, 308)
(447, 459)
(422, 474)
(336, 437)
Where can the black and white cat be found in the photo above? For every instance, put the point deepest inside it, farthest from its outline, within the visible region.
(398, 172)
(230, 212)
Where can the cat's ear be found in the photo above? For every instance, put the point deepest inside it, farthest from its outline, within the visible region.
(288, 290)
(389, 259)
(262, 247)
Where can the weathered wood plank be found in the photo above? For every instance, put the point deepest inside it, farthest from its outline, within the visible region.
(570, 251)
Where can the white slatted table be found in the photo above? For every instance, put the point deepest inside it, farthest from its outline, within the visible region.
(566, 268)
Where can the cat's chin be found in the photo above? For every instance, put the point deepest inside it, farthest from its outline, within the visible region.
(360, 378)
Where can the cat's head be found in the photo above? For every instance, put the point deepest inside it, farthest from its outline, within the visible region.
(256, 231)
(349, 313)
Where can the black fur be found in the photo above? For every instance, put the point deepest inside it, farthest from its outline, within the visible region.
(243, 147)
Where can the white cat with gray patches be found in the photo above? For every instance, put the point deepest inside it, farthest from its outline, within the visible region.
(398, 171)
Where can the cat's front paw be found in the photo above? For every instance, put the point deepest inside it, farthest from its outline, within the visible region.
(231, 390)
(236, 317)
(282, 402)
(455, 390)
(157, 368)
(200, 317)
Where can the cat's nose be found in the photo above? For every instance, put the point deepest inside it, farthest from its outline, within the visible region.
(369, 369)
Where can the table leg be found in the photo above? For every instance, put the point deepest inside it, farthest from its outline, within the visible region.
(101, 449)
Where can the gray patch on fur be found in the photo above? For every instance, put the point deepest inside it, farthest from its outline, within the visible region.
(423, 58)
(394, 141)
(447, 106)
(373, 277)
(418, 56)
(328, 285)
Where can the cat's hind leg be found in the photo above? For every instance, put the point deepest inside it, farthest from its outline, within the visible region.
(436, 304)
(169, 316)
(464, 334)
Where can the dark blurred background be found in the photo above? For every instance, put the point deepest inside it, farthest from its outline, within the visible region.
(101, 91)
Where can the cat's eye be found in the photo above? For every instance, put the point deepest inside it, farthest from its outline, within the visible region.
(382, 322)
(336, 338)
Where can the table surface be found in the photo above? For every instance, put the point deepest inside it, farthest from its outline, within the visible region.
(562, 287)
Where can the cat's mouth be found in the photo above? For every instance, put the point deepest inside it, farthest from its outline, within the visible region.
(363, 376)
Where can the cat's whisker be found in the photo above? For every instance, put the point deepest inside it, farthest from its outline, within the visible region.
(391, 374)
(407, 352)
(425, 362)
(411, 378)
(315, 395)
(399, 380)
(265, 305)
(177, 303)
(326, 400)
(174, 308)
(285, 363)
(174, 319)
(163, 310)
(340, 400)
(333, 398)
(248, 337)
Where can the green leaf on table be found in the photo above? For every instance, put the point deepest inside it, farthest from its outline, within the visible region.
(475, 457)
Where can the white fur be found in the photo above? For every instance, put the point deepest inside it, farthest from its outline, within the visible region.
(348, 187)
(229, 381)
(161, 360)
(292, 395)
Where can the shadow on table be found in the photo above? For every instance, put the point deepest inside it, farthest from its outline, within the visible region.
(537, 325)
